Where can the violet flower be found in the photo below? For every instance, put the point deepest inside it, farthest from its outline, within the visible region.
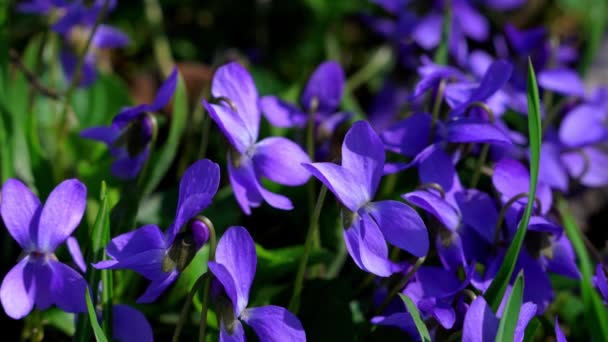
(369, 225)
(161, 257)
(322, 96)
(559, 334)
(481, 324)
(276, 158)
(75, 25)
(234, 268)
(130, 134)
(39, 278)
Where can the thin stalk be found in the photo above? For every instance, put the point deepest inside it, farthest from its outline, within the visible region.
(483, 156)
(436, 109)
(400, 285)
(207, 286)
(162, 49)
(294, 303)
(183, 316)
(310, 149)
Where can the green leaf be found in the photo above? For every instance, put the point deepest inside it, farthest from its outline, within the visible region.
(99, 335)
(60, 320)
(595, 313)
(162, 159)
(100, 236)
(532, 329)
(508, 321)
(420, 326)
(276, 263)
(499, 285)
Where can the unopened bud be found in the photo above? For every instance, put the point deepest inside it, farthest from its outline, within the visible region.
(185, 245)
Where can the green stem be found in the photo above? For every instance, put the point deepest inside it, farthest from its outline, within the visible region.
(310, 149)
(483, 155)
(162, 49)
(294, 303)
(183, 316)
(437, 109)
(207, 285)
(400, 285)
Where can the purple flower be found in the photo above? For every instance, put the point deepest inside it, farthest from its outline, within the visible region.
(559, 334)
(130, 134)
(369, 225)
(481, 324)
(39, 278)
(234, 268)
(275, 158)
(128, 324)
(161, 257)
(322, 95)
(600, 281)
(75, 25)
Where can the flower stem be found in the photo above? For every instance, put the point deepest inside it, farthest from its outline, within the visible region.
(294, 303)
(183, 316)
(436, 109)
(74, 82)
(400, 285)
(310, 149)
(207, 285)
(483, 155)
(162, 49)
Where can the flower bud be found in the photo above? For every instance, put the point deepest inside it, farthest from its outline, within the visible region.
(185, 246)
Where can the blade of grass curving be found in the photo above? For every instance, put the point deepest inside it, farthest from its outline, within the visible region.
(420, 326)
(99, 335)
(499, 285)
(100, 236)
(508, 321)
(161, 161)
(595, 313)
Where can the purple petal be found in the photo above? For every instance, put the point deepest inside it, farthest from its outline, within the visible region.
(563, 260)
(231, 124)
(61, 214)
(341, 182)
(479, 212)
(35, 6)
(444, 313)
(326, 84)
(401, 226)
(542, 224)
(244, 185)
(236, 252)
(128, 324)
(165, 92)
(127, 167)
(329, 124)
(157, 287)
(76, 253)
(367, 247)
(234, 82)
(274, 324)
(495, 77)
(473, 24)
(537, 287)
(590, 169)
(525, 41)
(236, 335)
(106, 135)
(67, 288)
(19, 207)
(428, 31)
(128, 114)
(140, 240)
(401, 320)
(436, 206)
(275, 200)
(280, 160)
(559, 334)
(282, 114)
(471, 130)
(600, 281)
(551, 170)
(511, 178)
(107, 37)
(436, 166)
(223, 276)
(196, 190)
(18, 290)
(582, 126)
(480, 323)
(562, 81)
(505, 5)
(410, 136)
(363, 156)
(148, 263)
(526, 313)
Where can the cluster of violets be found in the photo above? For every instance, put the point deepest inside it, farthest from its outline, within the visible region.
(454, 227)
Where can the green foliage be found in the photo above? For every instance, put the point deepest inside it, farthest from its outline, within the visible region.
(510, 315)
(420, 326)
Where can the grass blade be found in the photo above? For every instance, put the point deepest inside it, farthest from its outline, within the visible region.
(595, 313)
(508, 322)
(100, 236)
(499, 285)
(99, 335)
(411, 308)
